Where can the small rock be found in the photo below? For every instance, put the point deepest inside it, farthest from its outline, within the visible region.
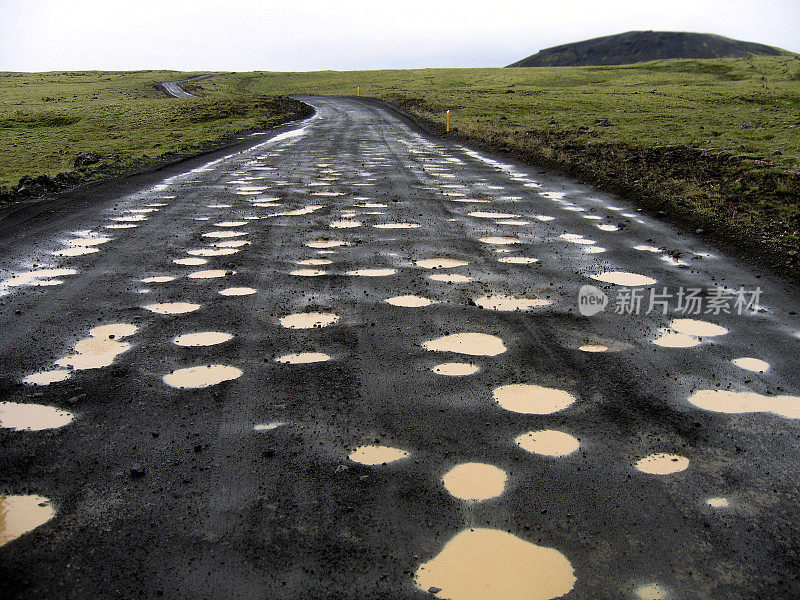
(138, 471)
(434, 590)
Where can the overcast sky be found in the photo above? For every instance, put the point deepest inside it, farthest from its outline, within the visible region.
(300, 35)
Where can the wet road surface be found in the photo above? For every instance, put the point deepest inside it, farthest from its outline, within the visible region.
(349, 363)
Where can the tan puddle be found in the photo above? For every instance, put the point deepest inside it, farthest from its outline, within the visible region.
(372, 272)
(594, 250)
(121, 226)
(377, 455)
(718, 502)
(647, 248)
(532, 399)
(47, 377)
(397, 226)
(224, 234)
(213, 251)
(471, 200)
(308, 320)
(409, 301)
(509, 303)
(76, 251)
(475, 481)
(544, 218)
(491, 215)
(326, 244)
(21, 514)
(268, 426)
(172, 308)
(518, 260)
(669, 339)
(238, 291)
(724, 401)
(190, 262)
(303, 358)
(481, 564)
(210, 274)
(372, 205)
(662, 464)
(32, 417)
(100, 348)
(158, 279)
(38, 277)
(651, 591)
(513, 222)
(345, 224)
(202, 338)
(440, 263)
(473, 344)
(697, 328)
(499, 240)
(230, 224)
(307, 210)
(593, 348)
(548, 442)
(607, 227)
(201, 376)
(751, 364)
(450, 277)
(314, 262)
(232, 244)
(308, 272)
(456, 369)
(623, 278)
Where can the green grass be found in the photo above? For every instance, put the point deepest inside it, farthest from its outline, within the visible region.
(46, 119)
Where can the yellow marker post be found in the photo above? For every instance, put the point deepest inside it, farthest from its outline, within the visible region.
(358, 91)
(447, 122)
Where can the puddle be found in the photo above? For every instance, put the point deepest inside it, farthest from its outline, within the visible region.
(190, 262)
(697, 328)
(662, 464)
(475, 481)
(478, 564)
(499, 240)
(76, 251)
(718, 502)
(345, 224)
(230, 224)
(303, 358)
(651, 591)
(224, 234)
(607, 227)
(238, 291)
(210, 274)
(594, 250)
(512, 222)
(89, 241)
(531, 399)
(307, 210)
(544, 218)
(409, 301)
(518, 260)
(450, 277)
(624, 278)
(121, 226)
(751, 364)
(456, 369)
(669, 339)
(313, 262)
(172, 308)
(39, 277)
(724, 401)
(47, 377)
(219, 205)
(21, 514)
(472, 344)
(377, 455)
(231, 244)
(372, 272)
(644, 248)
(201, 376)
(510, 303)
(548, 442)
(372, 205)
(268, 426)
(308, 320)
(100, 348)
(440, 263)
(397, 226)
(326, 244)
(593, 348)
(492, 215)
(308, 272)
(203, 338)
(212, 251)
(158, 279)
(32, 417)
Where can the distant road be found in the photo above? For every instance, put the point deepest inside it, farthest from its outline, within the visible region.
(173, 88)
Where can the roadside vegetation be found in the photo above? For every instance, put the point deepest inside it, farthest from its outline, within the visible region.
(60, 129)
(711, 144)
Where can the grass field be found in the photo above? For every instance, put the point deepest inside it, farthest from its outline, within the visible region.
(714, 144)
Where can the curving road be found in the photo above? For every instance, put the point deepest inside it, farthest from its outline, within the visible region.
(283, 374)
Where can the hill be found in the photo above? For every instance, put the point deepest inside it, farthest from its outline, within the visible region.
(643, 46)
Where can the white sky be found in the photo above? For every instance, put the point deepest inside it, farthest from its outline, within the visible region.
(299, 35)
